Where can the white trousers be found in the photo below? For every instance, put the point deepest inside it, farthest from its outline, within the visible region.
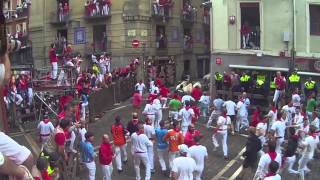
(164, 100)
(277, 94)
(107, 171)
(224, 136)
(91, 169)
(30, 96)
(290, 162)
(105, 10)
(161, 154)
(83, 109)
(172, 156)
(197, 174)
(54, 71)
(137, 159)
(278, 144)
(63, 77)
(184, 129)
(118, 150)
(303, 161)
(150, 156)
(173, 114)
(242, 122)
(158, 118)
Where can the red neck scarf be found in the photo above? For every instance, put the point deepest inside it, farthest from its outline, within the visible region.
(272, 155)
(176, 129)
(269, 174)
(274, 109)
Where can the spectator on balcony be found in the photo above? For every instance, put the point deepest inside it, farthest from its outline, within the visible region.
(106, 7)
(66, 11)
(206, 16)
(54, 61)
(155, 6)
(108, 63)
(245, 34)
(187, 41)
(60, 12)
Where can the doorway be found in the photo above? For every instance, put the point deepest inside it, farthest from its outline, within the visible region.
(250, 26)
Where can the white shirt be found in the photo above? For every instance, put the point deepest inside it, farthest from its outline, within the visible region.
(242, 109)
(184, 167)
(149, 110)
(82, 132)
(205, 99)
(45, 128)
(157, 105)
(263, 165)
(223, 123)
(272, 116)
(231, 107)
(198, 153)
(279, 127)
(149, 131)
(296, 99)
(298, 119)
(310, 144)
(11, 149)
(186, 98)
(315, 123)
(155, 89)
(140, 87)
(289, 111)
(262, 127)
(186, 116)
(276, 177)
(140, 143)
(218, 104)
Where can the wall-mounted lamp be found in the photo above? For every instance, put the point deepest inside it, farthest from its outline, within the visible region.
(232, 20)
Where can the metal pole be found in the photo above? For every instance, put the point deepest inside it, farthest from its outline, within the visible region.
(213, 91)
(46, 104)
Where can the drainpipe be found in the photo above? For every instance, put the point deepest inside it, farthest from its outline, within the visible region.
(293, 49)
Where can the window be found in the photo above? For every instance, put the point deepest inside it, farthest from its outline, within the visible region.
(161, 37)
(62, 40)
(186, 67)
(250, 26)
(314, 19)
(100, 38)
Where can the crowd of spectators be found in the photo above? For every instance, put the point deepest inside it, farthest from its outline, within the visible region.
(97, 7)
(162, 7)
(188, 11)
(63, 10)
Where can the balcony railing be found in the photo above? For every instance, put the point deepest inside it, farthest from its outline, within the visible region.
(189, 16)
(59, 18)
(98, 47)
(16, 14)
(97, 11)
(22, 57)
(161, 12)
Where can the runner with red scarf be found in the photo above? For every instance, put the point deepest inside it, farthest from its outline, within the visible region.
(189, 137)
(196, 93)
(280, 82)
(266, 159)
(223, 124)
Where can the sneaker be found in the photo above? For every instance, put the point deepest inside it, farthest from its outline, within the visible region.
(225, 157)
(120, 171)
(153, 171)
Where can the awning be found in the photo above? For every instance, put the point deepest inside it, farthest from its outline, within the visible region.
(262, 68)
(304, 73)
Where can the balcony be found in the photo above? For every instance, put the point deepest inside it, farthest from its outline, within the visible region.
(22, 57)
(161, 13)
(97, 12)
(18, 14)
(189, 16)
(60, 18)
(99, 47)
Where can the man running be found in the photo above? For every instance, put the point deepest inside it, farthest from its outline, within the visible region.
(199, 153)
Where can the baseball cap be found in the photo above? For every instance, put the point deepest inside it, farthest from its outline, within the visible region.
(183, 148)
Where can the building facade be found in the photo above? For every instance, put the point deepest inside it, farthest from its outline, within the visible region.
(266, 35)
(17, 20)
(173, 36)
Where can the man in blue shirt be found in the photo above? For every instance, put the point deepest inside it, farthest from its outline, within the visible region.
(88, 154)
(162, 146)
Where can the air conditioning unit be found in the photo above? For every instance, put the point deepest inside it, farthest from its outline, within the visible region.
(286, 36)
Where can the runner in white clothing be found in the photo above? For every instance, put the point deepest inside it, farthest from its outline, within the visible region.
(186, 114)
(140, 87)
(149, 131)
(278, 130)
(158, 111)
(199, 154)
(266, 159)
(45, 128)
(309, 145)
(223, 124)
(150, 111)
(231, 112)
(139, 149)
(183, 167)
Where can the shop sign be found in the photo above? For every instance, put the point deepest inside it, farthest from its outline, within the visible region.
(218, 61)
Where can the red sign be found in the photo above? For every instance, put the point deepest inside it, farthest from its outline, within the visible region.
(218, 61)
(135, 43)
